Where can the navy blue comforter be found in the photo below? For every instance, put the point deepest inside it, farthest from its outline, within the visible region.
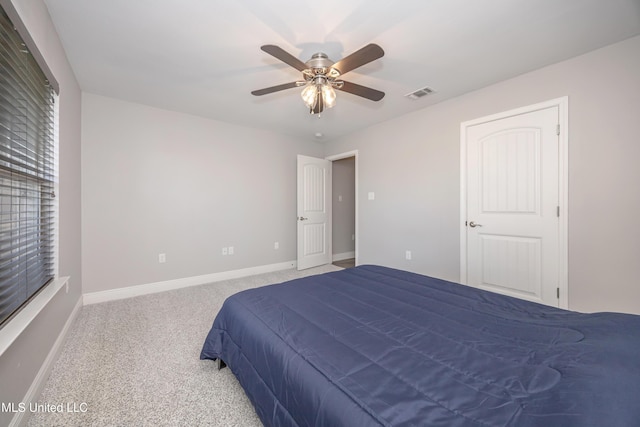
(375, 346)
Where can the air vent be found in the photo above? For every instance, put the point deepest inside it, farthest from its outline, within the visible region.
(420, 93)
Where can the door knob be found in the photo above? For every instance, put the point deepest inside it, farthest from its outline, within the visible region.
(303, 218)
(474, 225)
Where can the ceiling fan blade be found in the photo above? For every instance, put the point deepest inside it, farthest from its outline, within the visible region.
(277, 88)
(363, 91)
(284, 56)
(369, 53)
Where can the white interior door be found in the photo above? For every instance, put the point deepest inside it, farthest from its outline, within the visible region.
(314, 212)
(512, 205)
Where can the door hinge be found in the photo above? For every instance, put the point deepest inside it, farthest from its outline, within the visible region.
(558, 211)
(558, 292)
(558, 130)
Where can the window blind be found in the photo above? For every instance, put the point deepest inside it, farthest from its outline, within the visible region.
(27, 173)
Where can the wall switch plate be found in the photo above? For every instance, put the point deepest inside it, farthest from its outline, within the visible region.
(162, 258)
(225, 251)
(407, 254)
(371, 195)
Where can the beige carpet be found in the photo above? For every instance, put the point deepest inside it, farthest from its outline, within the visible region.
(135, 362)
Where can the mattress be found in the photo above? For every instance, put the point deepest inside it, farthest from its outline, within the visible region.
(373, 346)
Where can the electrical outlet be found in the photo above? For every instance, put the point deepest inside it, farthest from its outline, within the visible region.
(230, 250)
(407, 254)
(162, 258)
(276, 245)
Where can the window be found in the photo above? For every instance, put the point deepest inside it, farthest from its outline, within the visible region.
(27, 172)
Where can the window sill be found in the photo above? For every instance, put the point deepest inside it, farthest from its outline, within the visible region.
(16, 326)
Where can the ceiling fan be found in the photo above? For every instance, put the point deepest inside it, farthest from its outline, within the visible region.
(321, 76)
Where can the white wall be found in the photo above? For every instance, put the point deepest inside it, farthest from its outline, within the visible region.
(412, 163)
(156, 181)
(20, 364)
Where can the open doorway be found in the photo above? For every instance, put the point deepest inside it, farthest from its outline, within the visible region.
(344, 235)
(316, 201)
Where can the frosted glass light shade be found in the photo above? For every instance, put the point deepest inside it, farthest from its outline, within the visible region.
(328, 95)
(310, 95)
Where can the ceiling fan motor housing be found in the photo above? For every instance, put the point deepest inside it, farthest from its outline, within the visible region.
(320, 65)
(319, 60)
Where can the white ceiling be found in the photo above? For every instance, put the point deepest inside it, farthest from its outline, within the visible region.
(203, 57)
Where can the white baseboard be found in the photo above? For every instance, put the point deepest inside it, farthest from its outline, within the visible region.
(344, 255)
(21, 418)
(168, 285)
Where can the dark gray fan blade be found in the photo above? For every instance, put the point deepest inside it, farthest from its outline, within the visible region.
(363, 91)
(284, 56)
(369, 53)
(272, 89)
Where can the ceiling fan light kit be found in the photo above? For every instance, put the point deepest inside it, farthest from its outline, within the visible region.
(321, 76)
(318, 94)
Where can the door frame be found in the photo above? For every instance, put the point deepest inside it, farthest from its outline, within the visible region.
(563, 182)
(345, 155)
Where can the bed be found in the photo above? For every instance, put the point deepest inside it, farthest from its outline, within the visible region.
(372, 345)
